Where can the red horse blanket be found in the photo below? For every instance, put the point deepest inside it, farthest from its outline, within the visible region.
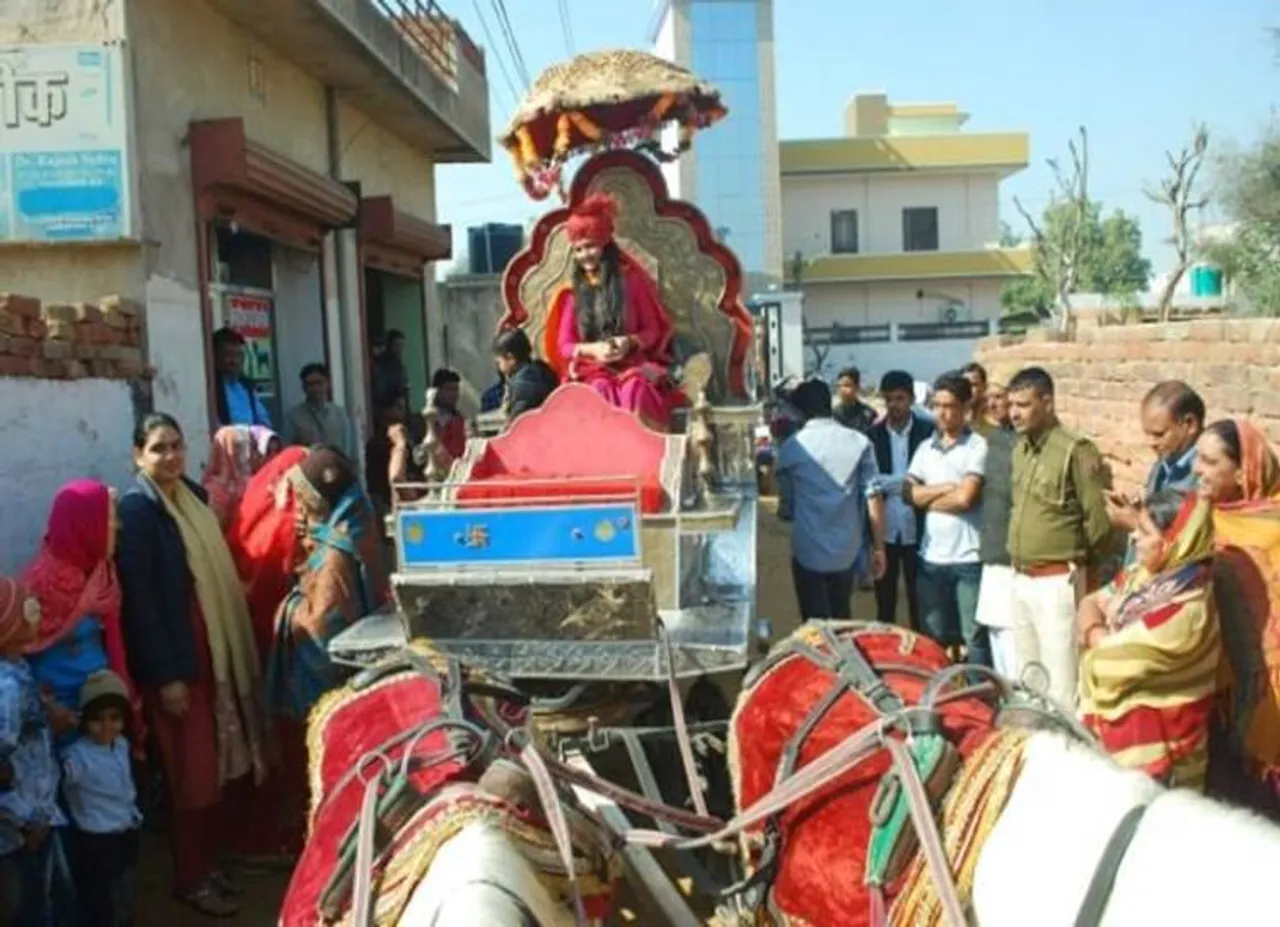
(822, 853)
(352, 724)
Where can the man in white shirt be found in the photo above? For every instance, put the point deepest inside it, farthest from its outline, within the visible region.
(894, 439)
(945, 483)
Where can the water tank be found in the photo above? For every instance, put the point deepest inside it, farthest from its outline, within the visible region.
(1206, 281)
(490, 247)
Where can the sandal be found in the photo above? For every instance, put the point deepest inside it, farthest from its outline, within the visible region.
(210, 902)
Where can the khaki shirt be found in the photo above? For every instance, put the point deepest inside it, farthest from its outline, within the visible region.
(1059, 511)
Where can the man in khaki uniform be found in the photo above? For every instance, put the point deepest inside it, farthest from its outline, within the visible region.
(1057, 529)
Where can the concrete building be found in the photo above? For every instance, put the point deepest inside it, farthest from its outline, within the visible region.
(732, 171)
(893, 231)
(261, 163)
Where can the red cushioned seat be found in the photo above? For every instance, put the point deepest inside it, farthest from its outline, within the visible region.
(575, 446)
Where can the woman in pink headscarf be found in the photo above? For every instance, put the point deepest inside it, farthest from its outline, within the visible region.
(74, 578)
(238, 452)
(611, 329)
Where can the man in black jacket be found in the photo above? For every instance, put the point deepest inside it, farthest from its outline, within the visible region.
(895, 439)
(528, 382)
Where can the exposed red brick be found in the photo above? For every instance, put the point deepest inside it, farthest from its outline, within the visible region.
(55, 350)
(22, 346)
(1102, 375)
(23, 307)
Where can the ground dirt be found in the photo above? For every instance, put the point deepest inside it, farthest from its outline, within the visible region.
(776, 603)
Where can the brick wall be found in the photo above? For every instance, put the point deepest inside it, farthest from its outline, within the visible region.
(100, 339)
(1102, 373)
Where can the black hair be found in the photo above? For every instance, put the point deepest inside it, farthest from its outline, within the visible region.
(812, 399)
(444, 376)
(852, 373)
(225, 336)
(312, 368)
(956, 384)
(104, 701)
(898, 381)
(391, 335)
(150, 423)
(1033, 378)
(1228, 432)
(975, 367)
(515, 342)
(1163, 507)
(1179, 398)
(600, 308)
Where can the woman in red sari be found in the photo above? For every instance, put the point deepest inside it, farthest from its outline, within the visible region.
(74, 578)
(612, 331)
(264, 537)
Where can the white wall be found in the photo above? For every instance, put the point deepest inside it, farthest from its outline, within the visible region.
(924, 360)
(174, 331)
(53, 431)
(877, 303)
(968, 210)
(299, 320)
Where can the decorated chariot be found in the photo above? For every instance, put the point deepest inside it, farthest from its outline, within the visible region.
(604, 566)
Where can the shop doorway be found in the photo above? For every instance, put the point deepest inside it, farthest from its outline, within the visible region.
(395, 302)
(271, 294)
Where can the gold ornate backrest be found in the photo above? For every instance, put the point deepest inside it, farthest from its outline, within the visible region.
(698, 278)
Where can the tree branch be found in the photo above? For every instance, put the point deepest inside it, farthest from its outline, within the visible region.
(1175, 193)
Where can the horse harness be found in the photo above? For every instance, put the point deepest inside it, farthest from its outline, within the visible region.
(391, 802)
(933, 759)
(926, 766)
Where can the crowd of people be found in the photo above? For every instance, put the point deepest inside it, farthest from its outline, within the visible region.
(1153, 616)
(181, 629)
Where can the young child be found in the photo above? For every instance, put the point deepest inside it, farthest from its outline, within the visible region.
(97, 781)
(28, 772)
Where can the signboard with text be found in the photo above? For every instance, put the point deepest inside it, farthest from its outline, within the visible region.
(64, 130)
(249, 312)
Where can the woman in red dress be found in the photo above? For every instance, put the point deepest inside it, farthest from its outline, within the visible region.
(612, 331)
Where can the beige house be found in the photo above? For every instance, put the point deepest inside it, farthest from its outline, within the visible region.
(267, 164)
(893, 233)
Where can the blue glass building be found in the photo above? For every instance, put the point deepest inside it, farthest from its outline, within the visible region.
(732, 172)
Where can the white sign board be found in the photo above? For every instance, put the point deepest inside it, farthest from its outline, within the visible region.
(64, 153)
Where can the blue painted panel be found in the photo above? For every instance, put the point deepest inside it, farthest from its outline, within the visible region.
(483, 536)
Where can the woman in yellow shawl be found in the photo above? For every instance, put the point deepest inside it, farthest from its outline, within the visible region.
(1240, 475)
(1151, 647)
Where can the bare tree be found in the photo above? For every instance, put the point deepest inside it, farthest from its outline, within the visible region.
(1057, 255)
(1177, 194)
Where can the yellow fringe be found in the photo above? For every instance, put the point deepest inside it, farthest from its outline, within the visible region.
(582, 122)
(969, 814)
(662, 106)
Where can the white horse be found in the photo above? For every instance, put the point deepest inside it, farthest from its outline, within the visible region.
(1191, 862)
(481, 877)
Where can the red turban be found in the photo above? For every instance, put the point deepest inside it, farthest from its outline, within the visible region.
(592, 219)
